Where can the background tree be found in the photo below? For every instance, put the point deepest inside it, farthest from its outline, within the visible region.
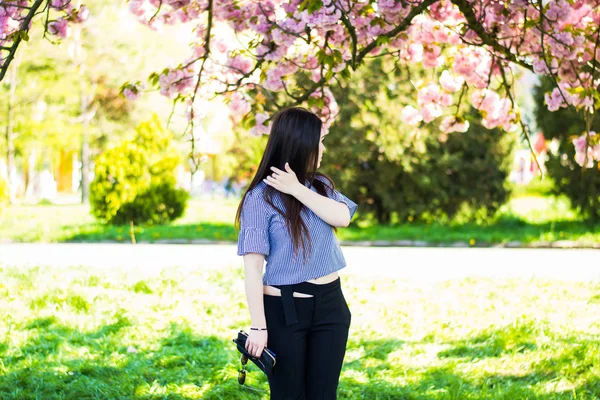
(580, 185)
(411, 173)
(470, 44)
(135, 181)
(71, 92)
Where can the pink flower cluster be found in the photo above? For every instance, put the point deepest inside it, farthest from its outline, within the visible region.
(60, 27)
(564, 95)
(260, 128)
(177, 81)
(239, 104)
(282, 38)
(496, 110)
(133, 91)
(587, 149)
(13, 13)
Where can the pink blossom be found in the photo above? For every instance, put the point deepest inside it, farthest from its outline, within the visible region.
(415, 52)
(451, 124)
(261, 118)
(558, 10)
(580, 158)
(430, 112)
(411, 115)
(176, 81)
(273, 81)
(554, 100)
(596, 152)
(541, 67)
(133, 91)
(449, 82)
(63, 5)
(82, 14)
(580, 144)
(260, 129)
(241, 63)
(200, 110)
(569, 46)
(238, 104)
(59, 28)
(430, 56)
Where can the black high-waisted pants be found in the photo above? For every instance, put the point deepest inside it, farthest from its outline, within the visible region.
(308, 336)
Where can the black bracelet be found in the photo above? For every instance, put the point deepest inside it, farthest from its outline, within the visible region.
(258, 329)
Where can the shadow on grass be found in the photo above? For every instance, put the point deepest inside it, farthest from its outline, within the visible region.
(180, 366)
(512, 339)
(444, 383)
(574, 362)
(184, 365)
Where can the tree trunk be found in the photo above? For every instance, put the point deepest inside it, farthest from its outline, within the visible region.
(10, 136)
(85, 155)
(86, 114)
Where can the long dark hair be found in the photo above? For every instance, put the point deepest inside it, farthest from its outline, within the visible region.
(294, 138)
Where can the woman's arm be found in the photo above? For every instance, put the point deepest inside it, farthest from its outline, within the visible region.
(329, 210)
(257, 340)
(333, 212)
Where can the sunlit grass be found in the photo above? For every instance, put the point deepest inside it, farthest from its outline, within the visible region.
(526, 218)
(101, 333)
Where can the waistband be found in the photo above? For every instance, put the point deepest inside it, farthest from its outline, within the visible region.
(287, 296)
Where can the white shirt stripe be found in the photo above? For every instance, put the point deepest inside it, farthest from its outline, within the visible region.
(263, 231)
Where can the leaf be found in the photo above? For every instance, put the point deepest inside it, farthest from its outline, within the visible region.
(382, 40)
(345, 73)
(337, 56)
(310, 5)
(24, 35)
(329, 75)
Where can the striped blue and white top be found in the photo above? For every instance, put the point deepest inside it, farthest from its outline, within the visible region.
(263, 231)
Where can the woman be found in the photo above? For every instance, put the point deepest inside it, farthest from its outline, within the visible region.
(297, 307)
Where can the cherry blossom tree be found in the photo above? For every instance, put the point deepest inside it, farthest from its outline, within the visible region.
(474, 50)
(17, 16)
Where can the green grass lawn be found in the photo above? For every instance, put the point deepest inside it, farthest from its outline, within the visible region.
(526, 218)
(84, 333)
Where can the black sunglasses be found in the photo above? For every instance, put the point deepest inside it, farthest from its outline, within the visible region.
(242, 373)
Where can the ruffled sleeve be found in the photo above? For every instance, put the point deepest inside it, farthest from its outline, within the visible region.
(254, 226)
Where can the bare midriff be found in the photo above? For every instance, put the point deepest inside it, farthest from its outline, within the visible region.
(273, 291)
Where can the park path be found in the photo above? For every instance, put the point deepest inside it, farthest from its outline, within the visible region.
(399, 262)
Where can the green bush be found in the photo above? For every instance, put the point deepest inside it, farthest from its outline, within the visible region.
(580, 185)
(159, 204)
(401, 173)
(135, 181)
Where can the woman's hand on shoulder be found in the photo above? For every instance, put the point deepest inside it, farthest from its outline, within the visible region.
(284, 181)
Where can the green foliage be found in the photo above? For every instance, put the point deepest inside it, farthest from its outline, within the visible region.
(244, 155)
(526, 219)
(580, 185)
(416, 174)
(135, 181)
(159, 204)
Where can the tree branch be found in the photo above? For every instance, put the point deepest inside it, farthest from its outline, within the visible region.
(524, 127)
(400, 28)
(204, 58)
(24, 27)
(473, 24)
(2, 3)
